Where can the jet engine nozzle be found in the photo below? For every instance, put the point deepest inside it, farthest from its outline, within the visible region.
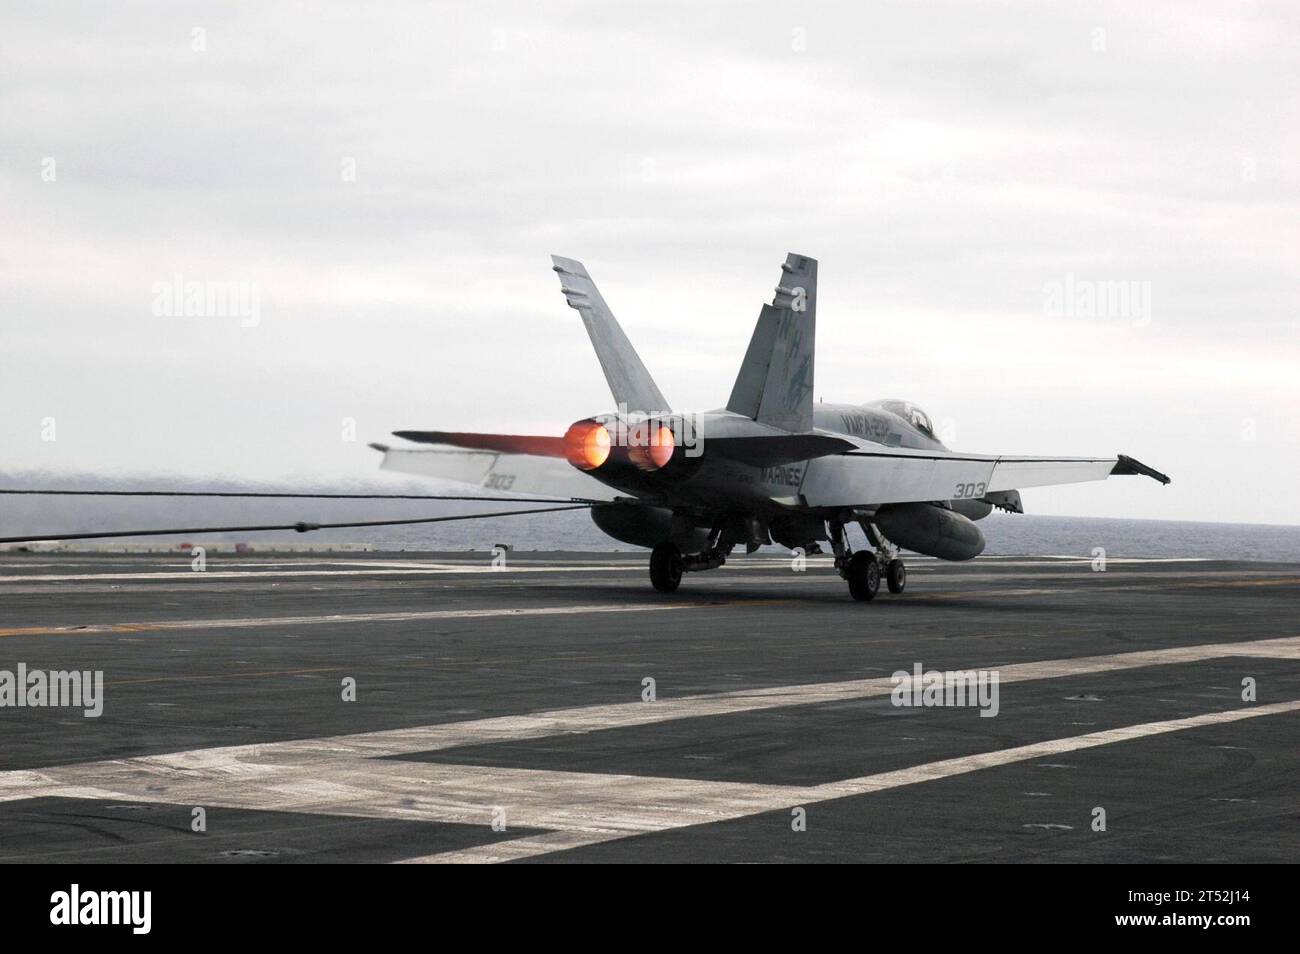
(650, 445)
(587, 444)
(645, 444)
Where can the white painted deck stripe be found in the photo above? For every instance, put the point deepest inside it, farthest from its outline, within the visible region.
(775, 800)
(343, 775)
(932, 569)
(626, 714)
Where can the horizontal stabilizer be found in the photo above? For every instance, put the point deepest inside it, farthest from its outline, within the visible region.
(501, 443)
(497, 472)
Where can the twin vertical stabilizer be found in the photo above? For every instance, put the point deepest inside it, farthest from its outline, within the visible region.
(775, 384)
(629, 381)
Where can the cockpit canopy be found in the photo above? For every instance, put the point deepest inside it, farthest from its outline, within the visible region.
(912, 414)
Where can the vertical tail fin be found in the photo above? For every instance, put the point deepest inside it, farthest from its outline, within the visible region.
(629, 381)
(775, 383)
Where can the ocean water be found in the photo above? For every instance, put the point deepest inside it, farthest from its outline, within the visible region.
(1021, 534)
(1024, 534)
(1007, 534)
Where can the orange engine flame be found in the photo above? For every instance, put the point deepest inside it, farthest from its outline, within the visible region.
(653, 450)
(586, 445)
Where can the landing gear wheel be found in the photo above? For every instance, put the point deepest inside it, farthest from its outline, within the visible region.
(666, 567)
(863, 574)
(896, 576)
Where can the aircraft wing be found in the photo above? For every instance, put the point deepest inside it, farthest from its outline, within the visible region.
(496, 471)
(873, 475)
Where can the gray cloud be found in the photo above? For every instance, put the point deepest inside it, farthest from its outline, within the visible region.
(944, 161)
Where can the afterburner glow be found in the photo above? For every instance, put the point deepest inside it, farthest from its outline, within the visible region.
(655, 451)
(586, 445)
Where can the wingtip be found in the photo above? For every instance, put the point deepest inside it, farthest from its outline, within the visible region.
(1127, 465)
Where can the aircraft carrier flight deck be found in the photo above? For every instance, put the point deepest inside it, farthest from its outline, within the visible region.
(430, 707)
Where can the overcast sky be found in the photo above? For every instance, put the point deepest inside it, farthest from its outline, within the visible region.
(391, 178)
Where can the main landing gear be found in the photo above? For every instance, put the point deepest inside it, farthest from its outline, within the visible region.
(666, 567)
(668, 563)
(863, 570)
(863, 574)
(896, 575)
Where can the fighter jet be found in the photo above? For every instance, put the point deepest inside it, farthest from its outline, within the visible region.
(771, 467)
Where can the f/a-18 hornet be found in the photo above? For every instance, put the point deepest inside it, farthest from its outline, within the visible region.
(770, 467)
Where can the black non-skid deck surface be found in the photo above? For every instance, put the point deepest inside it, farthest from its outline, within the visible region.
(53, 830)
(257, 652)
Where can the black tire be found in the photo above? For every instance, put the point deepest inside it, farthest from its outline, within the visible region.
(666, 567)
(896, 576)
(863, 576)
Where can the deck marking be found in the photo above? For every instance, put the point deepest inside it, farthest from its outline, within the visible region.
(261, 622)
(576, 808)
(778, 798)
